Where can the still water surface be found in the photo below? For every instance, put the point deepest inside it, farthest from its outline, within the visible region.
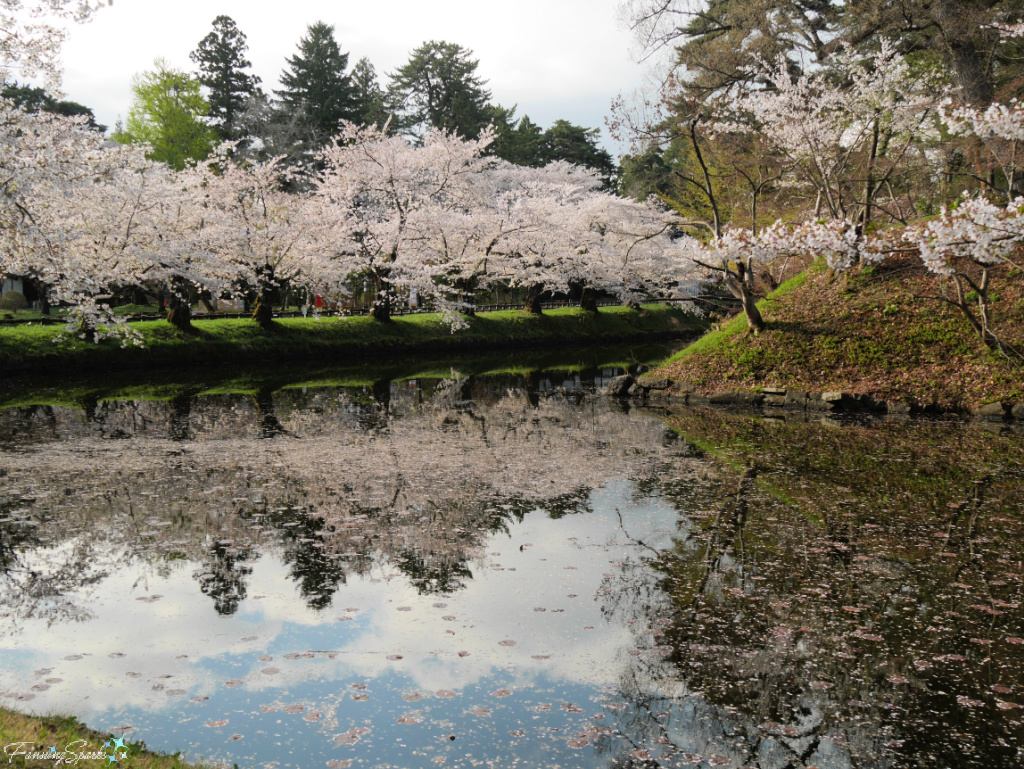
(507, 570)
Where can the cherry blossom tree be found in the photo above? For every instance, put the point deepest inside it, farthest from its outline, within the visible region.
(731, 256)
(545, 227)
(1000, 127)
(31, 34)
(848, 143)
(257, 233)
(964, 245)
(736, 255)
(625, 248)
(444, 221)
(106, 235)
(55, 200)
(528, 206)
(380, 197)
(38, 152)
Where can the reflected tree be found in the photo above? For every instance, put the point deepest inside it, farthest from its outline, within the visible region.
(311, 563)
(821, 618)
(179, 425)
(224, 574)
(432, 575)
(39, 579)
(269, 426)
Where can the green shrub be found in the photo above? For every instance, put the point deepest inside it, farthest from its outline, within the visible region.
(13, 300)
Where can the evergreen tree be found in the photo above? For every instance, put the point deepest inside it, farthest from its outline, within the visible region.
(439, 88)
(220, 57)
(272, 129)
(525, 144)
(315, 82)
(518, 143)
(578, 145)
(367, 93)
(528, 139)
(505, 145)
(33, 99)
(715, 42)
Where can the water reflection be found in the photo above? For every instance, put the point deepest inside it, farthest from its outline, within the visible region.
(321, 575)
(223, 575)
(853, 596)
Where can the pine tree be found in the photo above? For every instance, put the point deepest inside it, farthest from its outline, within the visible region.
(315, 81)
(518, 142)
(577, 145)
(439, 88)
(35, 99)
(221, 60)
(368, 95)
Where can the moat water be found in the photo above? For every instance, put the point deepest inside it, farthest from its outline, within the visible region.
(378, 568)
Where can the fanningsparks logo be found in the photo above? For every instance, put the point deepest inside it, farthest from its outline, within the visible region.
(116, 745)
(75, 752)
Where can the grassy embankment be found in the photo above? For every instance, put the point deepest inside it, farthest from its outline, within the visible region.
(78, 744)
(869, 333)
(25, 349)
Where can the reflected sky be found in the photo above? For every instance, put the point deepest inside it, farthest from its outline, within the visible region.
(523, 646)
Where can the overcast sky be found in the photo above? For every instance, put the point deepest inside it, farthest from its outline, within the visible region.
(553, 58)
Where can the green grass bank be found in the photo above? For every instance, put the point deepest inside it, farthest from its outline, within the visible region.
(32, 742)
(879, 332)
(34, 349)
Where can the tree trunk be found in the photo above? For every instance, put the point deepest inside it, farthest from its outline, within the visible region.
(869, 184)
(708, 189)
(588, 300)
(44, 296)
(738, 286)
(532, 304)
(179, 311)
(381, 309)
(468, 295)
(207, 301)
(979, 322)
(754, 320)
(263, 313)
(971, 67)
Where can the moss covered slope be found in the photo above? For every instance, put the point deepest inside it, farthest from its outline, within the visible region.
(871, 333)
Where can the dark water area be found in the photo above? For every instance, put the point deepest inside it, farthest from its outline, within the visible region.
(462, 568)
